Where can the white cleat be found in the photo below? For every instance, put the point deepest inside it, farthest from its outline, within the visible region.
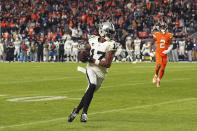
(158, 83)
(154, 79)
(83, 117)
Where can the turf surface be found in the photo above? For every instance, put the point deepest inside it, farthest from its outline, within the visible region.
(127, 99)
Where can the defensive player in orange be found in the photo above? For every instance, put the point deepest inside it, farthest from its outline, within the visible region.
(163, 46)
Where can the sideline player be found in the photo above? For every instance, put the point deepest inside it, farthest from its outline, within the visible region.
(163, 46)
(102, 50)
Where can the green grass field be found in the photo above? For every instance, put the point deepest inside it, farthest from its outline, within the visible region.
(40, 96)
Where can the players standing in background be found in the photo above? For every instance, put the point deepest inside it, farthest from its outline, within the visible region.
(61, 51)
(137, 44)
(1, 49)
(40, 44)
(182, 49)
(33, 52)
(163, 47)
(189, 48)
(146, 50)
(75, 46)
(68, 48)
(24, 51)
(119, 53)
(17, 43)
(53, 51)
(57, 42)
(10, 51)
(129, 48)
(102, 50)
(46, 51)
(175, 57)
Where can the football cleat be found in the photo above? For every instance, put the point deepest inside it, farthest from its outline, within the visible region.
(83, 117)
(154, 79)
(72, 115)
(158, 83)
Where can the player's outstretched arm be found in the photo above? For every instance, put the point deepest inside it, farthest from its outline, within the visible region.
(108, 60)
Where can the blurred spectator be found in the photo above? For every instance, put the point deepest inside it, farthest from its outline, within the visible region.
(61, 51)
(189, 48)
(33, 52)
(24, 51)
(175, 50)
(40, 50)
(56, 19)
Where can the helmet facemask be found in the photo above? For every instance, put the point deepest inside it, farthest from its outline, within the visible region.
(107, 30)
(163, 28)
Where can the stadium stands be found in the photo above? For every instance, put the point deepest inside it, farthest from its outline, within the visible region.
(50, 21)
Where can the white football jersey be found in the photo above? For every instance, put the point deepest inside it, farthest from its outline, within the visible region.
(137, 43)
(75, 45)
(17, 44)
(98, 51)
(68, 44)
(146, 47)
(1, 48)
(182, 43)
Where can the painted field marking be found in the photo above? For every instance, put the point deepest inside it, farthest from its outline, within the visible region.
(109, 86)
(40, 98)
(2, 95)
(102, 112)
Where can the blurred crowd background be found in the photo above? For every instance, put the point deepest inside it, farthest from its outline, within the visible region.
(54, 30)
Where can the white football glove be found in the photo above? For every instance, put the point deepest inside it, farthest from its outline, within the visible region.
(166, 51)
(151, 54)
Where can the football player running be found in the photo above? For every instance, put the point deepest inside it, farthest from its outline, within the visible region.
(102, 49)
(163, 47)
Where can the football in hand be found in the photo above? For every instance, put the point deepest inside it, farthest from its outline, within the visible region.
(83, 55)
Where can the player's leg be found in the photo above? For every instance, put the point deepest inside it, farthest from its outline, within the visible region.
(157, 68)
(92, 79)
(91, 89)
(163, 66)
(162, 71)
(86, 99)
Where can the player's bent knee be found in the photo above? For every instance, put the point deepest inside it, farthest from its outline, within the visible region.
(92, 86)
(159, 66)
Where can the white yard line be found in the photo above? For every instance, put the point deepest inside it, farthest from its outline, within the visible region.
(2, 95)
(103, 112)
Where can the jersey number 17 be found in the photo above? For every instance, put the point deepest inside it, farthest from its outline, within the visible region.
(99, 53)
